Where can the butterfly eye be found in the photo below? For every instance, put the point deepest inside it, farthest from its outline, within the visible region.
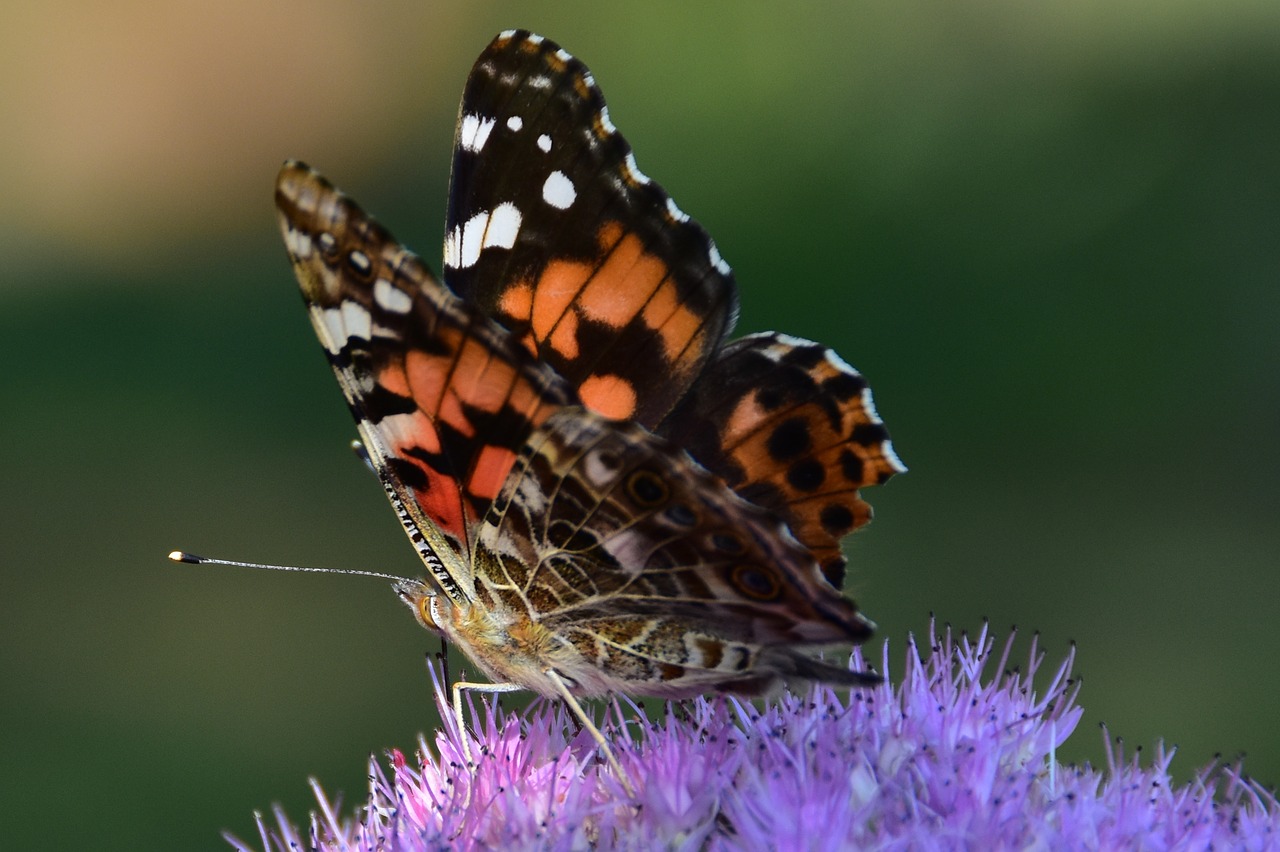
(425, 612)
(647, 489)
(755, 583)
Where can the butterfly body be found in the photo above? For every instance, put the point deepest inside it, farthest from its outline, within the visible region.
(606, 495)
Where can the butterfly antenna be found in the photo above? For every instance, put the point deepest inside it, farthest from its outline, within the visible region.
(363, 454)
(192, 559)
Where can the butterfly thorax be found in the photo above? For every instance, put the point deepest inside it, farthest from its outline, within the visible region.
(507, 645)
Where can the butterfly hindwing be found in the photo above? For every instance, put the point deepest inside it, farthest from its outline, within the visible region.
(443, 396)
(791, 428)
(554, 231)
(650, 568)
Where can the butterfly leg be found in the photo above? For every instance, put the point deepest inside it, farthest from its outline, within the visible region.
(587, 723)
(457, 707)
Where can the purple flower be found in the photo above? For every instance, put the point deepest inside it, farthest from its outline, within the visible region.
(945, 760)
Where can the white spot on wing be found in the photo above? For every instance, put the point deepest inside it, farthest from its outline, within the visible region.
(892, 457)
(504, 225)
(634, 170)
(544, 142)
(717, 261)
(515, 122)
(336, 330)
(452, 251)
(463, 243)
(472, 239)
(474, 132)
(675, 212)
(298, 244)
(597, 472)
(839, 363)
(356, 321)
(534, 38)
(400, 428)
(794, 342)
(390, 298)
(605, 122)
(360, 261)
(630, 548)
(773, 351)
(558, 190)
(869, 406)
(563, 55)
(506, 34)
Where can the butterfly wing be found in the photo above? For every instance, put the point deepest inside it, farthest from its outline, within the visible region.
(654, 577)
(790, 427)
(443, 397)
(554, 231)
(573, 532)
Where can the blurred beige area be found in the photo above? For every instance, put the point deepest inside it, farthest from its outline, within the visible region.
(125, 124)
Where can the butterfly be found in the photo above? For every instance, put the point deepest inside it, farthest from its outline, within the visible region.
(608, 495)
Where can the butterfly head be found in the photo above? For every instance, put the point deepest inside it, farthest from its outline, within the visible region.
(429, 607)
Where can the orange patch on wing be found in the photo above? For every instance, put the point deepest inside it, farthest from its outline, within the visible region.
(621, 287)
(611, 396)
(530, 343)
(555, 292)
(478, 380)
(439, 500)
(746, 416)
(517, 301)
(490, 471)
(628, 283)
(471, 375)
(675, 322)
(632, 283)
(441, 384)
(393, 378)
(444, 509)
(564, 339)
(424, 377)
(597, 127)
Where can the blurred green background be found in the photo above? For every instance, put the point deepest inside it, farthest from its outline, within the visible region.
(1047, 233)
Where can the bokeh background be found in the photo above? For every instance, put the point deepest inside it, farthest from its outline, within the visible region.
(1047, 233)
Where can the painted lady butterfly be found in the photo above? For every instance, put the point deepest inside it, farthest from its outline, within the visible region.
(606, 494)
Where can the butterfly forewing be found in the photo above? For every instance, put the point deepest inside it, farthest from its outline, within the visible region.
(443, 397)
(553, 230)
